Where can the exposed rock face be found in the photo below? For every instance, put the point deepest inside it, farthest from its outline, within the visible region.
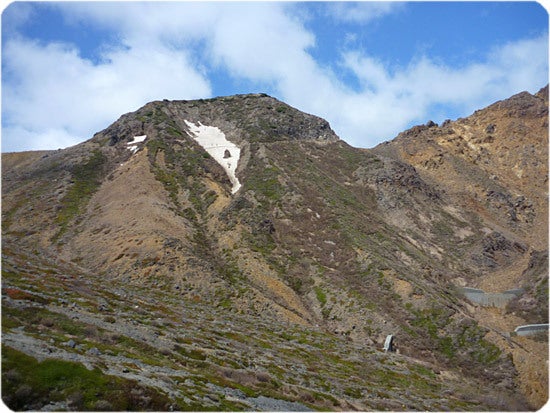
(344, 245)
(493, 162)
(494, 166)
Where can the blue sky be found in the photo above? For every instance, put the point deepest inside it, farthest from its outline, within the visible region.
(372, 69)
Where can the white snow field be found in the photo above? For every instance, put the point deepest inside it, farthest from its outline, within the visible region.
(137, 139)
(226, 153)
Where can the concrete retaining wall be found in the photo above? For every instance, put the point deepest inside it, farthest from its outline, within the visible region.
(531, 329)
(484, 299)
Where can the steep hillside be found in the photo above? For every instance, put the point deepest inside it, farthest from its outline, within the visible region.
(493, 164)
(234, 253)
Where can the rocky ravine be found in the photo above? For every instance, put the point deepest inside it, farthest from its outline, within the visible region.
(137, 256)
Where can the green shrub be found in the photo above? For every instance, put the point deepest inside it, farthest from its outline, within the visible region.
(321, 296)
(28, 385)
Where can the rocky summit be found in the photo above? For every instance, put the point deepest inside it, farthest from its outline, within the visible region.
(235, 254)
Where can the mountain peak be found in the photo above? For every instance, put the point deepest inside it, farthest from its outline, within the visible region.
(243, 118)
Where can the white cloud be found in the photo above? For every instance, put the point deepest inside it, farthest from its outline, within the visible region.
(388, 101)
(52, 88)
(522, 64)
(165, 50)
(143, 22)
(23, 139)
(362, 11)
(259, 41)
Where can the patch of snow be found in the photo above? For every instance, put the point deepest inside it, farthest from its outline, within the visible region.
(213, 140)
(137, 139)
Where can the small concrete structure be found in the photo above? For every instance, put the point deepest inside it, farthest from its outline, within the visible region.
(388, 344)
(529, 329)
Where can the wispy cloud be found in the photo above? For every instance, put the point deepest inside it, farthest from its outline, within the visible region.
(54, 97)
(362, 11)
(412, 91)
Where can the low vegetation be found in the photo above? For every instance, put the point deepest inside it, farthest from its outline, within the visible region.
(86, 178)
(29, 385)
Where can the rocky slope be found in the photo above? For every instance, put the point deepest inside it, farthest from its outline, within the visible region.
(494, 164)
(136, 256)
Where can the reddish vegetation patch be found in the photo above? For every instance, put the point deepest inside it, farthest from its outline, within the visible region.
(17, 294)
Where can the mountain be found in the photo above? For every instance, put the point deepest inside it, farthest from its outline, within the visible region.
(493, 164)
(234, 253)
